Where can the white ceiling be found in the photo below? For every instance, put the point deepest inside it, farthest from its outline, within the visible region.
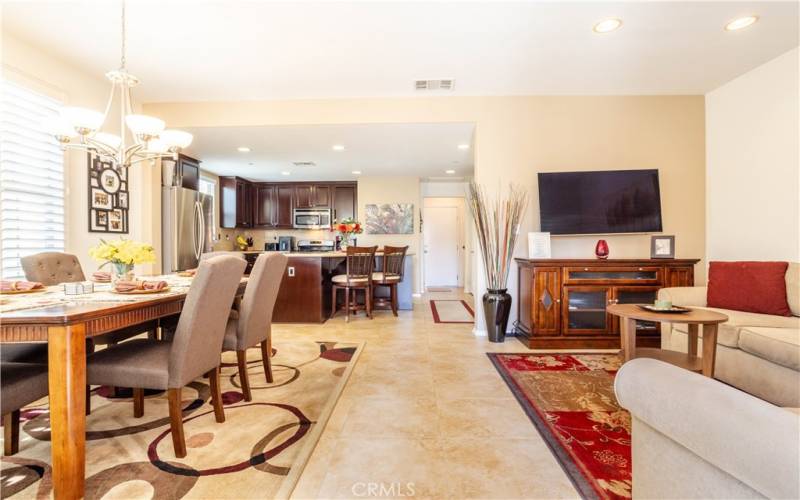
(423, 150)
(245, 49)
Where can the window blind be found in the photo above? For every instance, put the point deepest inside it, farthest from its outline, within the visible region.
(31, 178)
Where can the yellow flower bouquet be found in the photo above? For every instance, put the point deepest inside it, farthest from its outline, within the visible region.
(122, 255)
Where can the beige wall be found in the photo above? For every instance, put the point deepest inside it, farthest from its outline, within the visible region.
(516, 137)
(753, 164)
(39, 71)
(379, 190)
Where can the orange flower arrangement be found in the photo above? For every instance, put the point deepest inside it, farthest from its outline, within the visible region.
(347, 227)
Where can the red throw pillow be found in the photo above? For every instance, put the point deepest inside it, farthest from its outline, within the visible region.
(758, 287)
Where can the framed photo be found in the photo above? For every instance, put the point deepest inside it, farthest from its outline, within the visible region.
(109, 180)
(109, 199)
(115, 221)
(662, 247)
(101, 199)
(539, 245)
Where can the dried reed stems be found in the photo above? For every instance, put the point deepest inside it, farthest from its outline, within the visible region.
(497, 223)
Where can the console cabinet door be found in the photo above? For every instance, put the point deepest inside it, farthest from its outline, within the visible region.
(546, 301)
(284, 195)
(265, 206)
(583, 310)
(679, 276)
(635, 295)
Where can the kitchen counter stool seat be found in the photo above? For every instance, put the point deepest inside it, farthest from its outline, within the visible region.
(390, 276)
(21, 384)
(360, 262)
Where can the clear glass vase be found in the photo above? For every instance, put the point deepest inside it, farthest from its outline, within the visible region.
(121, 272)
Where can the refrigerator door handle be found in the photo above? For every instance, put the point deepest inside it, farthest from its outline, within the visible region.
(202, 220)
(194, 230)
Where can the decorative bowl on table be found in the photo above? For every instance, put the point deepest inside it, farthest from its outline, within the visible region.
(668, 310)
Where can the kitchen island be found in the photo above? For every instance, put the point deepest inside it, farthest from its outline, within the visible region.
(305, 293)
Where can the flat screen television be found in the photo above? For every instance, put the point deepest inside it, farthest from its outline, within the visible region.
(611, 201)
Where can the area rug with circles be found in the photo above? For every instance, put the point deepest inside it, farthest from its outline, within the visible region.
(258, 452)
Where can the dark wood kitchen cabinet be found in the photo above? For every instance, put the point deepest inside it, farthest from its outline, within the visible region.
(344, 201)
(312, 196)
(236, 202)
(269, 205)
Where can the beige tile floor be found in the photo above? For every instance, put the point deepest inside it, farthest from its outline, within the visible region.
(425, 414)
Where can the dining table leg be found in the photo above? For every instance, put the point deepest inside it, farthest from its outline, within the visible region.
(67, 381)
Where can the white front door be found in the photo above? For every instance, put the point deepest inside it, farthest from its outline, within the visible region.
(440, 235)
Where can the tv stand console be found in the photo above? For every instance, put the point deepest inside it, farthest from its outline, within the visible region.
(562, 302)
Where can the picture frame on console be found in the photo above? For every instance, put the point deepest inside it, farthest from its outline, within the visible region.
(662, 247)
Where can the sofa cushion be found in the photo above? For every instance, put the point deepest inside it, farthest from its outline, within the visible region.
(728, 333)
(779, 345)
(793, 287)
(758, 287)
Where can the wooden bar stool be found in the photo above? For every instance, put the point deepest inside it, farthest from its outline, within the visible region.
(390, 275)
(360, 265)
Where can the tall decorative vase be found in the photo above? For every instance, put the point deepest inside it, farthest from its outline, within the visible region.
(496, 308)
(601, 250)
(121, 272)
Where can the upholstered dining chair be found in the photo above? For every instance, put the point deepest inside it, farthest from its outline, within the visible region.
(390, 275)
(54, 268)
(360, 262)
(217, 253)
(194, 350)
(251, 325)
(21, 384)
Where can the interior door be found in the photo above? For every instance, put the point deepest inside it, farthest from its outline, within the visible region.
(440, 235)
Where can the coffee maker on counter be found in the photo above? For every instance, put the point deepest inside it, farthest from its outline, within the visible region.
(286, 244)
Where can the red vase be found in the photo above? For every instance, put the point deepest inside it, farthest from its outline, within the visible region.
(601, 250)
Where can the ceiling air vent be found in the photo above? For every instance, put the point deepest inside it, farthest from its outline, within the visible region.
(443, 84)
(304, 164)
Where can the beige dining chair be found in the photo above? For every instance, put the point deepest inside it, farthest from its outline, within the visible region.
(21, 384)
(252, 323)
(194, 350)
(54, 268)
(217, 253)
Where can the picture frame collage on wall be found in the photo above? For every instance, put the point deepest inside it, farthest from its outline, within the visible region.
(109, 197)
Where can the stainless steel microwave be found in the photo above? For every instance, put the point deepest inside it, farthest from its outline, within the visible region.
(312, 218)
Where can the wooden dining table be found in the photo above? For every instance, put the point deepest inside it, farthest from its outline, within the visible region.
(64, 322)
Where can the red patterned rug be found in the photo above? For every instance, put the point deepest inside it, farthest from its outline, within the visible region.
(570, 400)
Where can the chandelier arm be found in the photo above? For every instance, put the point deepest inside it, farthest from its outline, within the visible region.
(101, 147)
(129, 154)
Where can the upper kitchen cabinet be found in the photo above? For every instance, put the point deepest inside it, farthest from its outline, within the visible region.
(183, 172)
(312, 196)
(245, 204)
(236, 202)
(344, 201)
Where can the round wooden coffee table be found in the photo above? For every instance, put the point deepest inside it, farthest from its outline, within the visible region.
(629, 313)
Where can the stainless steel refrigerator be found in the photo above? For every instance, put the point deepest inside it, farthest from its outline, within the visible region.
(186, 227)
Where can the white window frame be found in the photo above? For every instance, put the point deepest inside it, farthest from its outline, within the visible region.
(24, 144)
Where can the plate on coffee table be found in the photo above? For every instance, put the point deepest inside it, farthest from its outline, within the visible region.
(671, 310)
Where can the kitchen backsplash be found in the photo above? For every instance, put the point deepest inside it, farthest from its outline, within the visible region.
(261, 236)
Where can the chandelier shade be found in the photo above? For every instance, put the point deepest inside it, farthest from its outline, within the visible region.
(141, 137)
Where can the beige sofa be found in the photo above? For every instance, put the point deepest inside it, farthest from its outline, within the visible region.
(693, 437)
(758, 353)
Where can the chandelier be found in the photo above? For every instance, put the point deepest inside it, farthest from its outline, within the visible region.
(81, 128)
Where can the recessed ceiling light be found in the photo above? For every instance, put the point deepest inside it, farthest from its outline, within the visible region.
(356, 172)
(251, 163)
(740, 23)
(451, 171)
(463, 146)
(286, 173)
(607, 25)
(243, 149)
(338, 147)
